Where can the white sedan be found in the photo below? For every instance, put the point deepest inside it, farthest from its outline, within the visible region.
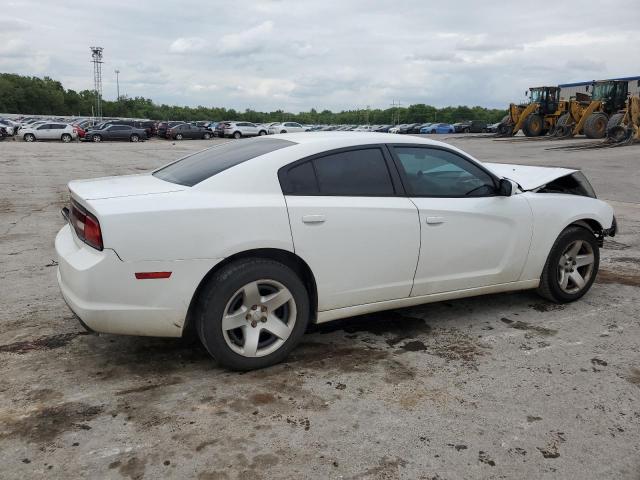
(247, 243)
(287, 127)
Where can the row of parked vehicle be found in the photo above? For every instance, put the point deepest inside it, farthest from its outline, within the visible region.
(32, 129)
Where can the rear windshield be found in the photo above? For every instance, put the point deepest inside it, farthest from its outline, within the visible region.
(195, 168)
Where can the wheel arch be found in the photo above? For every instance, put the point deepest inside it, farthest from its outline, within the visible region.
(285, 257)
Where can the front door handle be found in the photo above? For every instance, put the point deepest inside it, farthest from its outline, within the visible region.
(435, 220)
(313, 218)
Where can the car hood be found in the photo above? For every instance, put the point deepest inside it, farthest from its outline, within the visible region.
(528, 177)
(121, 186)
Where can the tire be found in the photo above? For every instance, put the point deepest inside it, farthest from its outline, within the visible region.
(561, 269)
(237, 135)
(533, 125)
(262, 133)
(283, 131)
(178, 136)
(29, 137)
(504, 128)
(614, 121)
(466, 130)
(96, 138)
(66, 138)
(134, 138)
(562, 126)
(225, 292)
(206, 136)
(596, 125)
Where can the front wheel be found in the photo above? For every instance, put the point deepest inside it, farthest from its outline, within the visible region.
(237, 135)
(135, 138)
(262, 133)
(178, 136)
(206, 136)
(29, 137)
(96, 138)
(252, 313)
(571, 267)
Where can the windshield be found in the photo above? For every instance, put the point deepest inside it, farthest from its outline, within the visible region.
(195, 168)
(603, 90)
(536, 95)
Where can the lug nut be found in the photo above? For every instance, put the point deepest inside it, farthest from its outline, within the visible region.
(263, 319)
(254, 307)
(254, 324)
(263, 308)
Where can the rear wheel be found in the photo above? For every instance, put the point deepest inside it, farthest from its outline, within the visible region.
(614, 121)
(135, 138)
(29, 137)
(596, 125)
(533, 125)
(237, 135)
(562, 126)
(571, 267)
(66, 138)
(252, 313)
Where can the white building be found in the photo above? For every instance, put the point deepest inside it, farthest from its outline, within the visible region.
(569, 90)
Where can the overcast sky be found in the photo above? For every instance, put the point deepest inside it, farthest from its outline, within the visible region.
(336, 54)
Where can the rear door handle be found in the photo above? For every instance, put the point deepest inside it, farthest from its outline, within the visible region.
(313, 218)
(435, 220)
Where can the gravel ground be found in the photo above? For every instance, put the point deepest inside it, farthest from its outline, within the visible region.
(500, 386)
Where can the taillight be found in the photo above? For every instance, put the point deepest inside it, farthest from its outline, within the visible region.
(86, 226)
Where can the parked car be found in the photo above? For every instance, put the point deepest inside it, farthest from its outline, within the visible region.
(286, 127)
(116, 132)
(382, 128)
(331, 235)
(9, 126)
(397, 128)
(472, 126)
(239, 129)
(81, 131)
(186, 130)
(49, 131)
(493, 128)
(440, 128)
(164, 126)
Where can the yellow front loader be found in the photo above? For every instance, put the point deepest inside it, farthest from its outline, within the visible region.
(536, 118)
(628, 130)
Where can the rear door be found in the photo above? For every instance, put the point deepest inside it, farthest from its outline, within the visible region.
(353, 225)
(470, 236)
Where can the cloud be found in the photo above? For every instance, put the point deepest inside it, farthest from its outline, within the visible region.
(247, 41)
(187, 45)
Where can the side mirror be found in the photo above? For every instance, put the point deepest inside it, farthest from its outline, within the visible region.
(507, 187)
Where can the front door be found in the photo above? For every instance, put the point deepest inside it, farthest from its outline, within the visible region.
(351, 225)
(471, 237)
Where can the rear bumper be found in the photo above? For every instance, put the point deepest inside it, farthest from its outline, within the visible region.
(104, 293)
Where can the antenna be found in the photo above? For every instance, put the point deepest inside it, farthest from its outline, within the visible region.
(96, 59)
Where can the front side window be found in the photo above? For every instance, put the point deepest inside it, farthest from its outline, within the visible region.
(431, 172)
(46, 126)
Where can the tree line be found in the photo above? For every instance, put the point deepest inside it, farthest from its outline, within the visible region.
(44, 96)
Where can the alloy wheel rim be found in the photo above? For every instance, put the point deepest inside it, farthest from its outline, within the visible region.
(575, 266)
(259, 318)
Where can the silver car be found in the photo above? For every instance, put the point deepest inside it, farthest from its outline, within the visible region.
(49, 131)
(241, 129)
(287, 127)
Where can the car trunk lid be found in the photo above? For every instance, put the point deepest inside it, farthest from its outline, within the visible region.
(121, 186)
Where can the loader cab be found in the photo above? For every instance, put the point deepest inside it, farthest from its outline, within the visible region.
(547, 97)
(612, 93)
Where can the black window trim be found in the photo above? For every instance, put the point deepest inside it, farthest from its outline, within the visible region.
(398, 188)
(405, 180)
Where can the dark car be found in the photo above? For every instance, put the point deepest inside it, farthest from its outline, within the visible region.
(382, 128)
(473, 126)
(409, 128)
(164, 126)
(186, 130)
(116, 132)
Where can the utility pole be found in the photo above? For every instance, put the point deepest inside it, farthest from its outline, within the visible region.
(118, 83)
(395, 114)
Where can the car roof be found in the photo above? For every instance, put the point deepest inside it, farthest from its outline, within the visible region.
(354, 138)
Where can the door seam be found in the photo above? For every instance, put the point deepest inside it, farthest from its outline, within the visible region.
(415, 272)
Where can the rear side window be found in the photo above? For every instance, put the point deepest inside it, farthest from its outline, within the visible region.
(195, 168)
(361, 172)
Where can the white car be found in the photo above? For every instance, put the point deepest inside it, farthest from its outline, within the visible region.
(287, 127)
(49, 131)
(247, 243)
(240, 129)
(394, 129)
